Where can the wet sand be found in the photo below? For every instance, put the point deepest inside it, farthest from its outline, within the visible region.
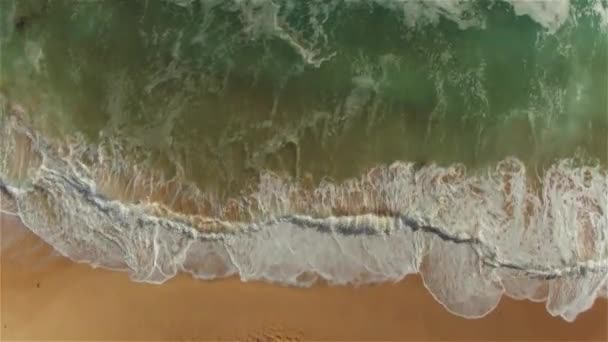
(61, 300)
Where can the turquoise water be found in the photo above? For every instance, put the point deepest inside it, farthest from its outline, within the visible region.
(395, 125)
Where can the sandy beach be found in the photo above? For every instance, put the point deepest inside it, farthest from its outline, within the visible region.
(61, 300)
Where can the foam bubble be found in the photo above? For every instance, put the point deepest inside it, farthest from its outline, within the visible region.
(600, 9)
(425, 12)
(472, 291)
(551, 14)
(569, 296)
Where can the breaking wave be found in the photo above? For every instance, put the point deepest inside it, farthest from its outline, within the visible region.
(472, 235)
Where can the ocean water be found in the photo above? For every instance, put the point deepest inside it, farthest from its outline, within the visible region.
(290, 141)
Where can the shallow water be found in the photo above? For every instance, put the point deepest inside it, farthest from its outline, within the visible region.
(355, 141)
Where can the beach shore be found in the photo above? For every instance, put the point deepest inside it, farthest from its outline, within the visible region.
(62, 300)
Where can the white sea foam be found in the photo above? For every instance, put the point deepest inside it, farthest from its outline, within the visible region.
(429, 12)
(551, 14)
(472, 237)
(263, 18)
(600, 9)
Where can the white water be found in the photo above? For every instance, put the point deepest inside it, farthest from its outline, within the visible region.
(472, 237)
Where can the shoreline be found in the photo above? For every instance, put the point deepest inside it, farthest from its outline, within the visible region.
(461, 208)
(65, 300)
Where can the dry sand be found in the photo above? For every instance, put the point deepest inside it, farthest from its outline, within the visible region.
(61, 300)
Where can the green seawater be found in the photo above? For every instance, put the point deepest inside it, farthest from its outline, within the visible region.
(321, 89)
